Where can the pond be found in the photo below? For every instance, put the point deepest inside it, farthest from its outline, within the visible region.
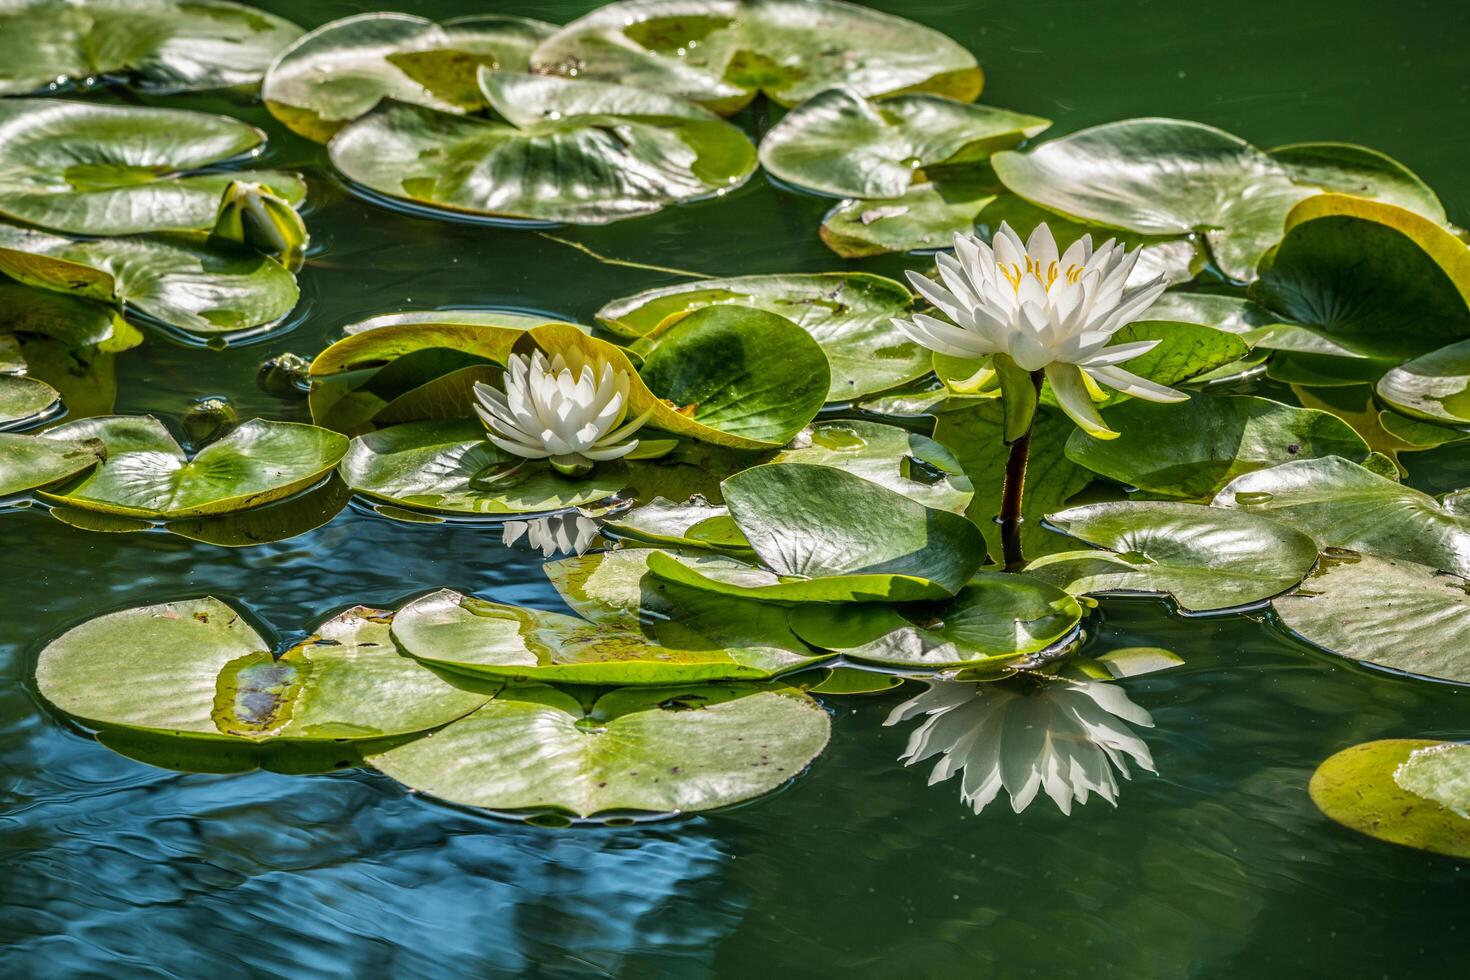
(1219, 865)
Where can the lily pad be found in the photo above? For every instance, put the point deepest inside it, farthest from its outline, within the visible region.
(386, 365)
(344, 69)
(1359, 788)
(450, 630)
(1440, 773)
(1384, 611)
(70, 321)
(1205, 558)
(694, 523)
(183, 280)
(847, 313)
(30, 461)
(196, 668)
(577, 151)
(147, 475)
(449, 466)
(729, 375)
(1192, 449)
(721, 53)
(994, 622)
(662, 750)
(273, 522)
(1232, 314)
(829, 536)
(1420, 276)
(1435, 386)
(25, 400)
(1343, 505)
(118, 170)
(155, 45)
(899, 459)
(1172, 177)
(841, 144)
(1181, 353)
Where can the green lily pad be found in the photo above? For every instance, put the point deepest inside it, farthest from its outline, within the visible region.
(344, 69)
(90, 169)
(841, 144)
(1205, 558)
(1172, 177)
(24, 400)
(848, 313)
(901, 460)
(1435, 386)
(1122, 662)
(733, 376)
(463, 633)
(1343, 505)
(156, 45)
(1233, 314)
(1384, 611)
(30, 461)
(721, 53)
(196, 668)
(273, 522)
(147, 475)
(1182, 353)
(1192, 449)
(70, 321)
(382, 371)
(576, 151)
(848, 681)
(675, 525)
(1360, 788)
(995, 621)
(972, 428)
(662, 750)
(1420, 276)
(449, 466)
(1440, 773)
(830, 536)
(185, 281)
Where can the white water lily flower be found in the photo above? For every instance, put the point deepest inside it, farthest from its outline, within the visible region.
(556, 534)
(570, 411)
(1045, 312)
(1064, 737)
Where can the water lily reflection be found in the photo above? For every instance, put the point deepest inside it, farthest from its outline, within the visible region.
(559, 534)
(1028, 735)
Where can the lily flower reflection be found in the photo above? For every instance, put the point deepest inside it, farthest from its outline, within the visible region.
(559, 534)
(1063, 737)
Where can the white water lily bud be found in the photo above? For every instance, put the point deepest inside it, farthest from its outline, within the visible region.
(253, 215)
(1064, 737)
(1045, 312)
(570, 411)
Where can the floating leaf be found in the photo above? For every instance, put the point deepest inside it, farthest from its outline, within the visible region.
(181, 280)
(722, 52)
(830, 536)
(695, 523)
(994, 622)
(1342, 505)
(1420, 275)
(577, 151)
(1182, 352)
(273, 522)
(70, 321)
(847, 681)
(1233, 314)
(450, 466)
(24, 400)
(1435, 386)
(30, 461)
(848, 313)
(841, 144)
(1359, 788)
(156, 45)
(146, 474)
(90, 169)
(1440, 773)
(1205, 558)
(899, 459)
(1384, 611)
(463, 633)
(343, 69)
(196, 668)
(1171, 177)
(728, 375)
(663, 750)
(1123, 662)
(1192, 449)
(387, 363)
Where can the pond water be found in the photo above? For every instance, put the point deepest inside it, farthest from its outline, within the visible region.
(1218, 867)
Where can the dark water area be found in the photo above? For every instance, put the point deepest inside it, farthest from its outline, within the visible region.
(1218, 867)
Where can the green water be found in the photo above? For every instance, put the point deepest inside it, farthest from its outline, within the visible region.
(1218, 867)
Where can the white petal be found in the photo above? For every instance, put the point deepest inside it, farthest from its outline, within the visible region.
(1131, 384)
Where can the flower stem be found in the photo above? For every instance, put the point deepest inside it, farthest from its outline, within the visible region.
(1010, 499)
